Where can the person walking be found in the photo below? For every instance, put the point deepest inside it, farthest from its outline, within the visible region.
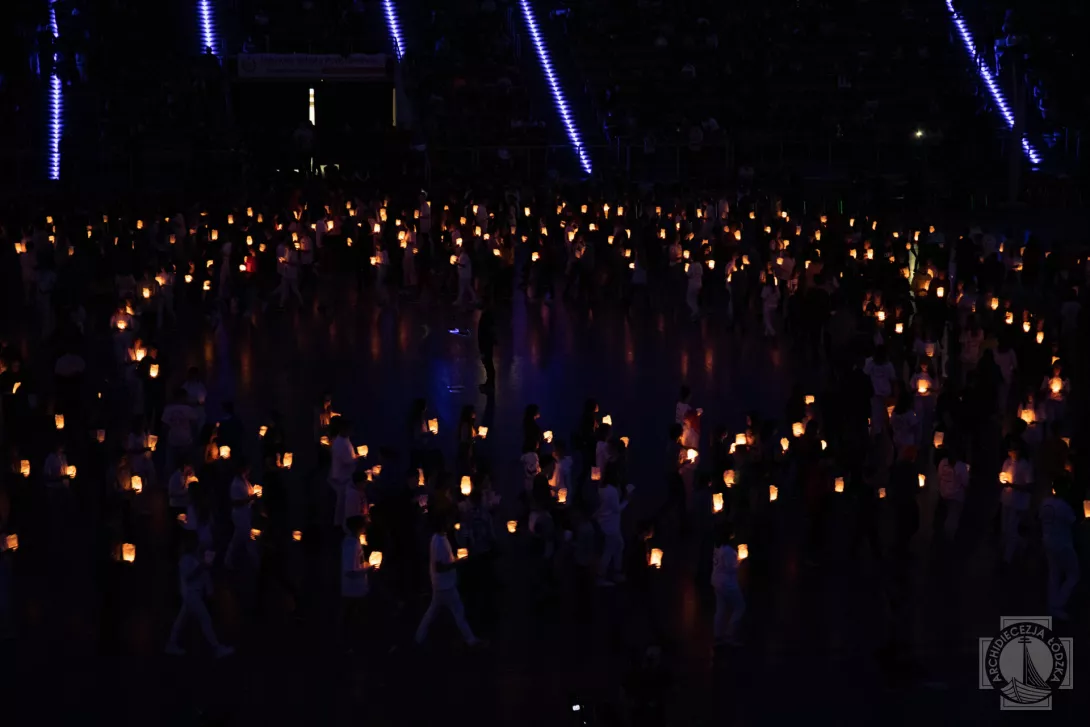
(444, 583)
(194, 584)
(730, 605)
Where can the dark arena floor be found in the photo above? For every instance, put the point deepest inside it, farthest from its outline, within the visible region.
(841, 633)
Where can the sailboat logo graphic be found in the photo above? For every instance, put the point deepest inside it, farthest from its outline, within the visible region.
(1031, 687)
(1026, 663)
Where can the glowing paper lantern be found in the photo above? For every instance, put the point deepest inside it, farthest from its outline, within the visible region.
(899, 328)
(225, 452)
(654, 559)
(797, 430)
(809, 399)
(297, 535)
(691, 455)
(938, 439)
(482, 432)
(1040, 336)
(881, 493)
(785, 443)
(595, 474)
(607, 419)
(255, 533)
(286, 460)
(717, 502)
(153, 371)
(128, 552)
(562, 495)
(361, 451)
(838, 484)
(262, 430)
(137, 484)
(100, 435)
(922, 479)
(463, 553)
(375, 559)
(922, 387)
(24, 467)
(258, 490)
(728, 478)
(1085, 509)
(466, 486)
(512, 526)
(433, 426)
(740, 439)
(743, 551)
(773, 493)
(11, 542)
(58, 421)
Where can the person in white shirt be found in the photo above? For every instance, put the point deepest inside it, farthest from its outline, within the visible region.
(55, 470)
(882, 375)
(953, 476)
(1057, 517)
(444, 583)
(342, 465)
(180, 419)
(695, 278)
(728, 595)
(196, 394)
(465, 279)
(682, 407)
(355, 582)
(178, 487)
(608, 516)
(194, 583)
(242, 501)
(1016, 478)
(287, 264)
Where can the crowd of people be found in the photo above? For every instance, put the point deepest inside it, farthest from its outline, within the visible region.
(948, 356)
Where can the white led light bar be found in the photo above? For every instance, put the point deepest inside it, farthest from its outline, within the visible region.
(554, 86)
(989, 80)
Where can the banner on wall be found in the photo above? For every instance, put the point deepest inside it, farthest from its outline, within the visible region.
(312, 66)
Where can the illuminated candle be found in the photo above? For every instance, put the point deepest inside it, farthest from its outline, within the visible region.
(463, 553)
(258, 490)
(375, 559)
(796, 430)
(881, 493)
(938, 439)
(225, 452)
(838, 484)
(58, 421)
(286, 460)
(433, 426)
(255, 533)
(24, 467)
(512, 526)
(562, 495)
(361, 451)
(262, 430)
(607, 419)
(922, 479)
(717, 502)
(654, 559)
(743, 551)
(1040, 336)
(128, 552)
(691, 455)
(466, 485)
(773, 493)
(297, 535)
(809, 399)
(71, 472)
(728, 478)
(548, 436)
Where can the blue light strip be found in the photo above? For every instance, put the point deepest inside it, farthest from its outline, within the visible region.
(394, 27)
(208, 27)
(554, 86)
(989, 80)
(56, 106)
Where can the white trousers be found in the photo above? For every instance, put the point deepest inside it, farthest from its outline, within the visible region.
(730, 606)
(449, 599)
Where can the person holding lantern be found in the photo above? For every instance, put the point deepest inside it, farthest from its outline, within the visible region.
(1016, 479)
(730, 605)
(342, 465)
(1057, 519)
(242, 500)
(444, 583)
(194, 584)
